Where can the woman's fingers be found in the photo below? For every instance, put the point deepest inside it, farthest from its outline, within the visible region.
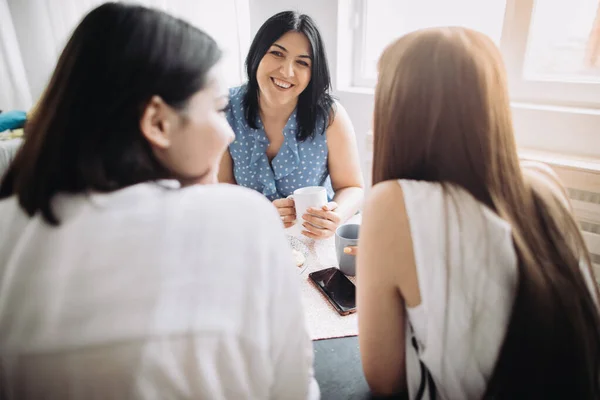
(288, 218)
(315, 232)
(283, 203)
(328, 215)
(286, 210)
(319, 222)
(351, 250)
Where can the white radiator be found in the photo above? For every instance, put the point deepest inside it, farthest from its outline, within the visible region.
(582, 179)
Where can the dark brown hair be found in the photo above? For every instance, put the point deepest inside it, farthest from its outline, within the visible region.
(84, 134)
(442, 114)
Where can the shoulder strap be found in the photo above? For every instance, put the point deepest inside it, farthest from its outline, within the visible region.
(426, 378)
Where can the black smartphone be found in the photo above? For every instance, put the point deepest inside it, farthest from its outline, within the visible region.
(338, 289)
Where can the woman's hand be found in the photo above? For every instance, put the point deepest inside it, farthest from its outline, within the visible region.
(321, 223)
(287, 211)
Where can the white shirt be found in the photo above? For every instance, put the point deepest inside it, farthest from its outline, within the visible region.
(151, 292)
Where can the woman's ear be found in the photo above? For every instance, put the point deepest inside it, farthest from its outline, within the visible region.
(155, 124)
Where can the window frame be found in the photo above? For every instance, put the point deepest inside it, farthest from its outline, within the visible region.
(515, 36)
(513, 45)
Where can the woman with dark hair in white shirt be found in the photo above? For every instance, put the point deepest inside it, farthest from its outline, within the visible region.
(120, 277)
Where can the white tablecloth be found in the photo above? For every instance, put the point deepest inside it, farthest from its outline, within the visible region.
(323, 320)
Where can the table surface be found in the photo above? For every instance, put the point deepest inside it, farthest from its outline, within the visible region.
(338, 370)
(322, 319)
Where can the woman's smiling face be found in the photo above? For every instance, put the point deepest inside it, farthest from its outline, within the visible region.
(285, 70)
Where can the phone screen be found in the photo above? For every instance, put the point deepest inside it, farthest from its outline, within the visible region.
(337, 287)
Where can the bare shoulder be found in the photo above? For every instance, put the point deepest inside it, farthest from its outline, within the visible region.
(385, 219)
(384, 211)
(385, 197)
(340, 124)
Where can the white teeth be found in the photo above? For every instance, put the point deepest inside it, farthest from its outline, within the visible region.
(282, 84)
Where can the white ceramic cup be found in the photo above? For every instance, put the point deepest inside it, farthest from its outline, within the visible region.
(307, 197)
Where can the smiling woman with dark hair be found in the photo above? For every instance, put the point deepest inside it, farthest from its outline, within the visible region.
(290, 133)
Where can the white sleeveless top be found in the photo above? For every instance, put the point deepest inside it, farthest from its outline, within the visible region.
(467, 272)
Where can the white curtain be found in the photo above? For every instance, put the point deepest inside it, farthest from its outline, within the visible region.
(228, 21)
(44, 26)
(14, 88)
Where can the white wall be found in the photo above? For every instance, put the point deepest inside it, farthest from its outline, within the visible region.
(325, 13)
(42, 29)
(36, 41)
(14, 87)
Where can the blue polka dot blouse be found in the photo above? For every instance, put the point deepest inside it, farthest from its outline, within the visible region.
(296, 165)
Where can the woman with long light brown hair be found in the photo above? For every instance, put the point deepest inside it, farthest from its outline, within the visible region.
(474, 280)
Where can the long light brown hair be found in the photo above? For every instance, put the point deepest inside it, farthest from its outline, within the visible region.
(442, 114)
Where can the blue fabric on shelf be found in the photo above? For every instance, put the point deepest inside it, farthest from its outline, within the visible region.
(12, 120)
